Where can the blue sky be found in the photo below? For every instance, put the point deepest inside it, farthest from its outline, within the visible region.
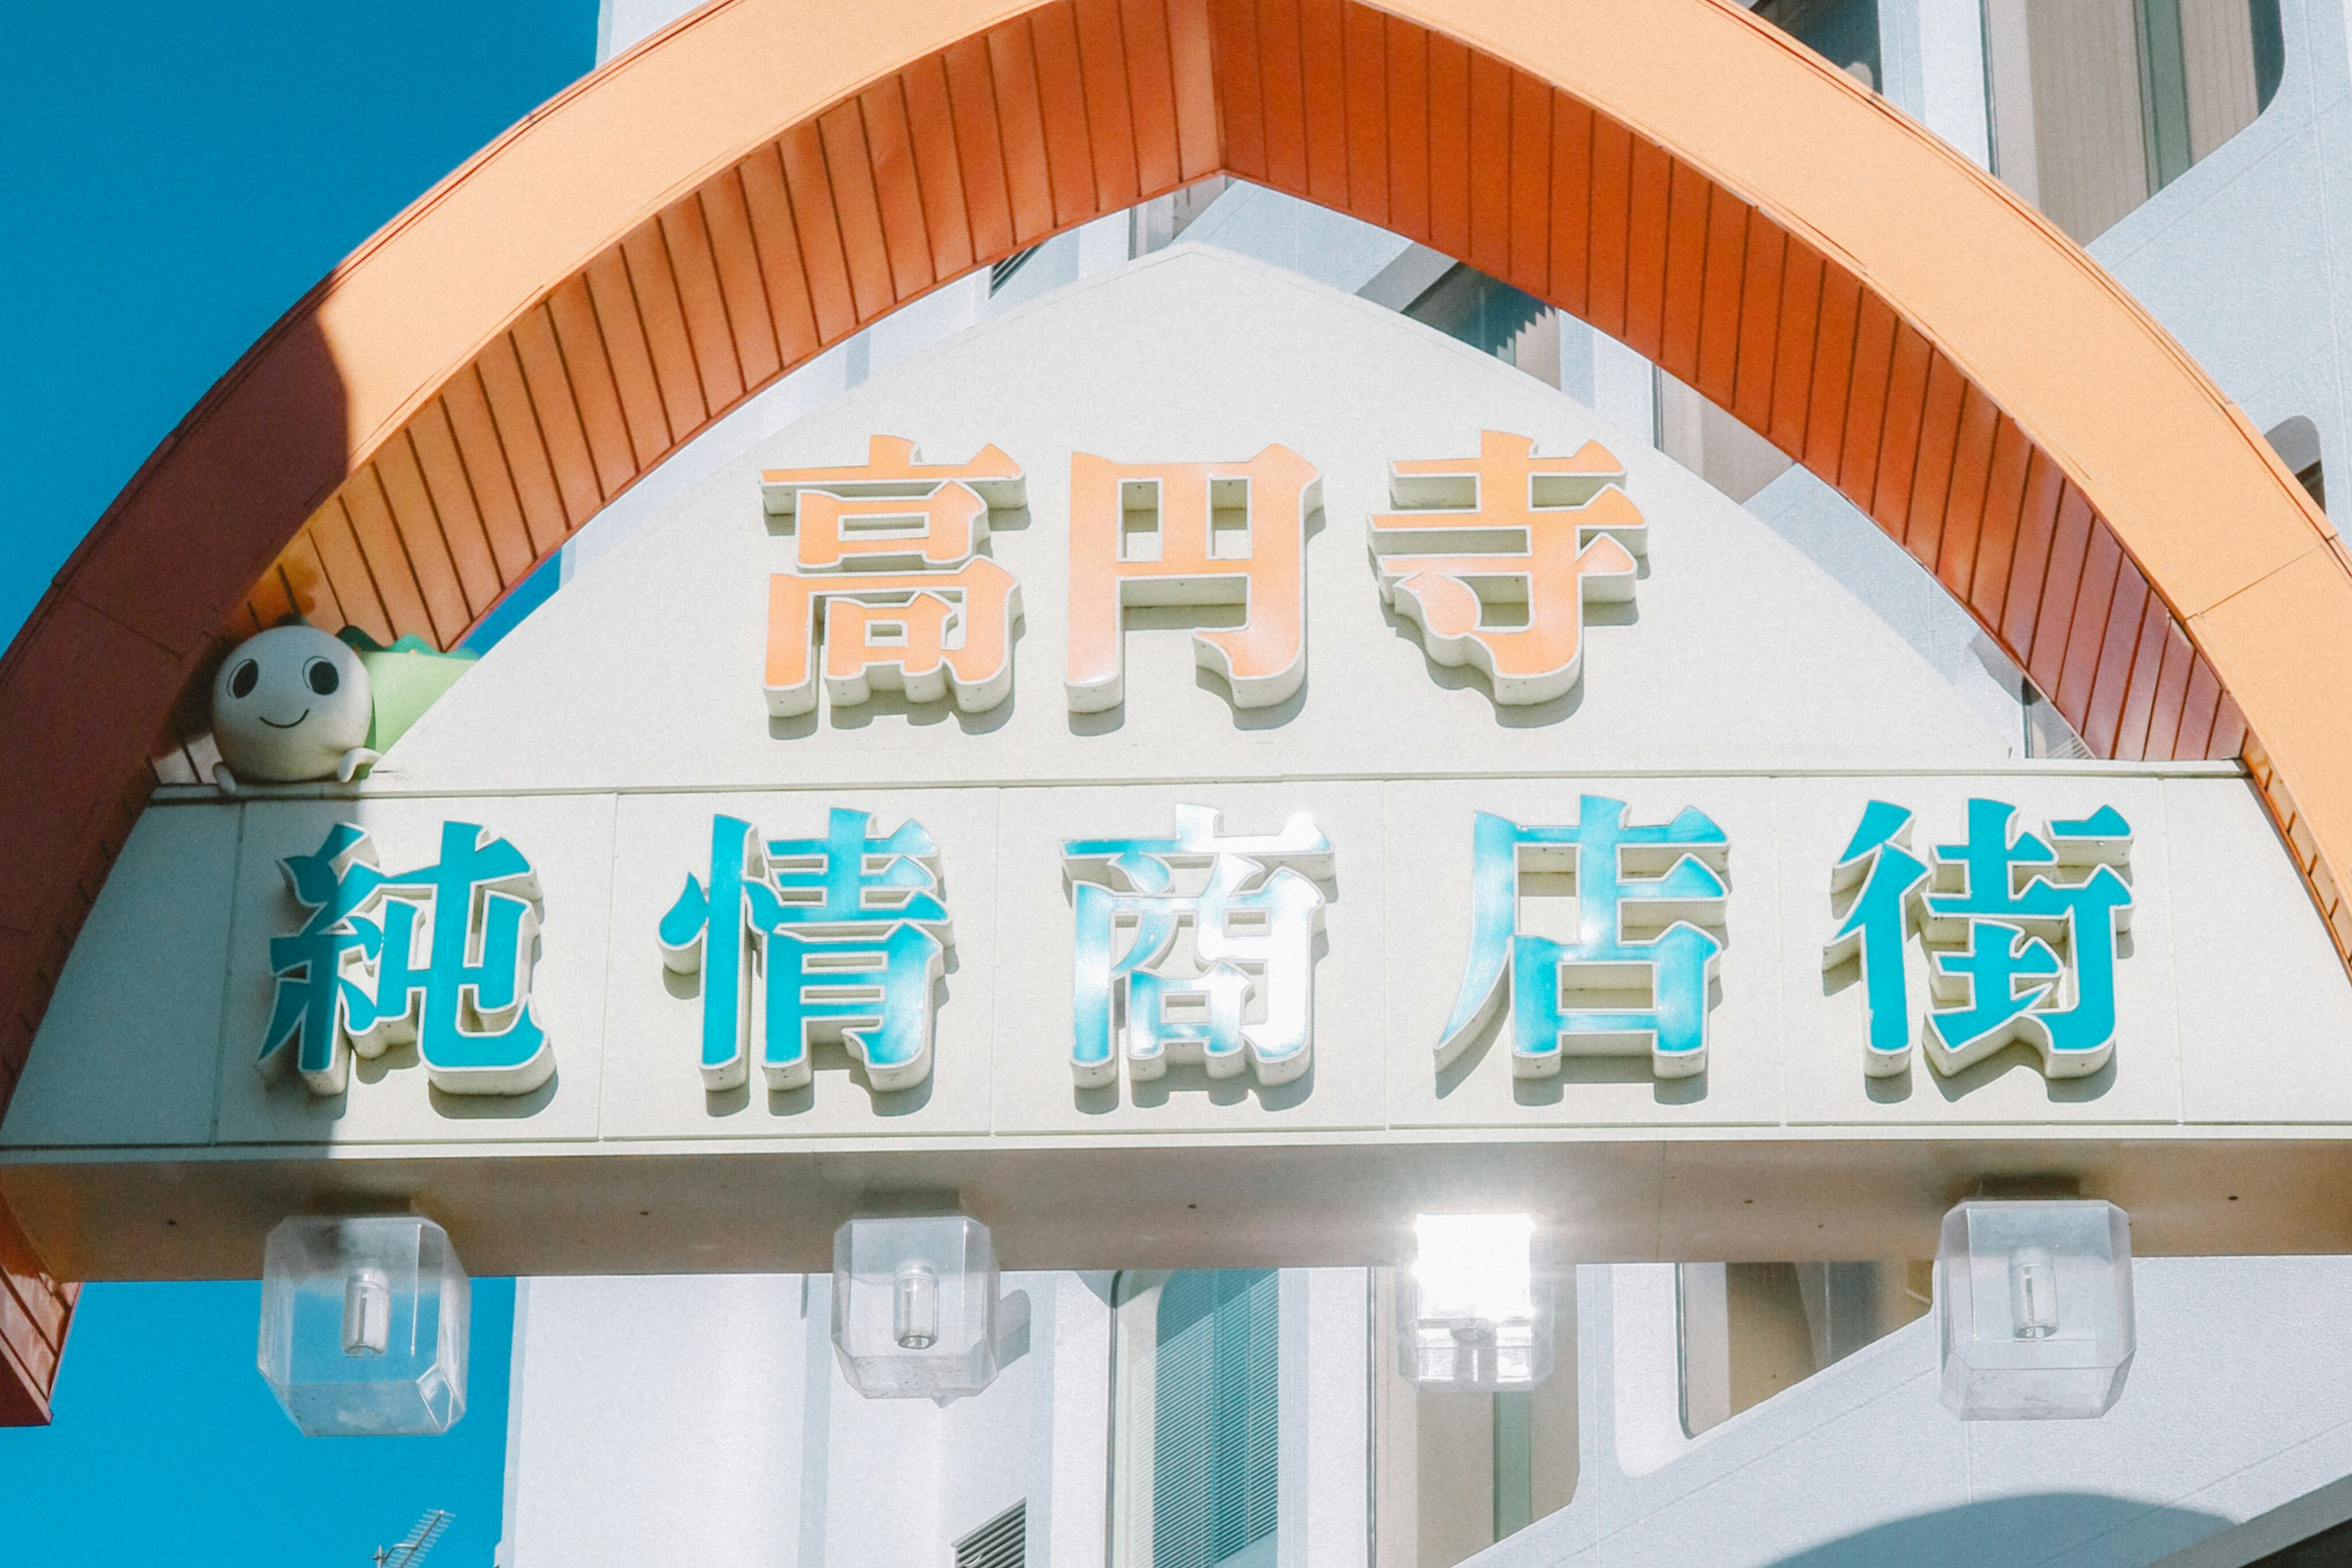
(176, 175)
(168, 1448)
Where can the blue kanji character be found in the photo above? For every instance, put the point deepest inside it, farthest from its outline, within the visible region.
(2021, 933)
(708, 930)
(1985, 990)
(2042, 899)
(471, 1017)
(1667, 880)
(353, 978)
(1248, 995)
(838, 938)
(317, 996)
(1882, 917)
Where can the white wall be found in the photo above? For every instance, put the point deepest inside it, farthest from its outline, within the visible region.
(704, 1420)
(2247, 258)
(2239, 1399)
(623, 23)
(661, 1419)
(1933, 52)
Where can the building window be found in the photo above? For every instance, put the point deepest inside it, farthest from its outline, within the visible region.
(1751, 1329)
(1843, 31)
(1196, 1431)
(2296, 441)
(2099, 104)
(1493, 318)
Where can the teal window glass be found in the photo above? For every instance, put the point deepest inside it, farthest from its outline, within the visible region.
(1197, 1439)
(1485, 312)
(1843, 31)
(1217, 1447)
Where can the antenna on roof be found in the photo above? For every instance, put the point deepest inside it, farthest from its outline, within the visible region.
(422, 1540)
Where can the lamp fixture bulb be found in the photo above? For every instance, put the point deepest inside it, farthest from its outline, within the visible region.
(915, 1305)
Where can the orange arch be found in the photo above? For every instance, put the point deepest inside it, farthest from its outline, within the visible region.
(760, 181)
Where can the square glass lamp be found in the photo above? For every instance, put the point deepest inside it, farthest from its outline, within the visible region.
(2036, 1309)
(1473, 1314)
(364, 1326)
(915, 1306)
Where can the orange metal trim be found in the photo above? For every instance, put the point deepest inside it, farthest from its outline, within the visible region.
(741, 289)
(1802, 272)
(1899, 437)
(1833, 344)
(1724, 299)
(1937, 449)
(709, 335)
(1490, 165)
(1611, 219)
(1571, 212)
(1450, 180)
(1407, 125)
(1684, 293)
(1367, 117)
(776, 252)
(1323, 31)
(1649, 231)
(940, 134)
(1531, 184)
(1866, 395)
(1973, 447)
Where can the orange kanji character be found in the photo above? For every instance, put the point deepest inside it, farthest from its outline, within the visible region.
(889, 578)
(1191, 533)
(1550, 533)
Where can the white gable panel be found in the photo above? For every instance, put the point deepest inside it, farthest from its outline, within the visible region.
(1736, 652)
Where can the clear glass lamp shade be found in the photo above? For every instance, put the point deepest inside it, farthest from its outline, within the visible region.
(2034, 1305)
(915, 1307)
(364, 1326)
(1474, 1314)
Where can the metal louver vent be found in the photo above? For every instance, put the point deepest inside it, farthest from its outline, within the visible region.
(1001, 273)
(1001, 1542)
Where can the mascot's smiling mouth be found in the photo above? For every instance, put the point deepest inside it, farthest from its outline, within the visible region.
(275, 725)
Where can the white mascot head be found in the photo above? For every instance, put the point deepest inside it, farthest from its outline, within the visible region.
(291, 703)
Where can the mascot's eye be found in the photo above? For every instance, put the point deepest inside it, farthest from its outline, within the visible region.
(322, 676)
(243, 678)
